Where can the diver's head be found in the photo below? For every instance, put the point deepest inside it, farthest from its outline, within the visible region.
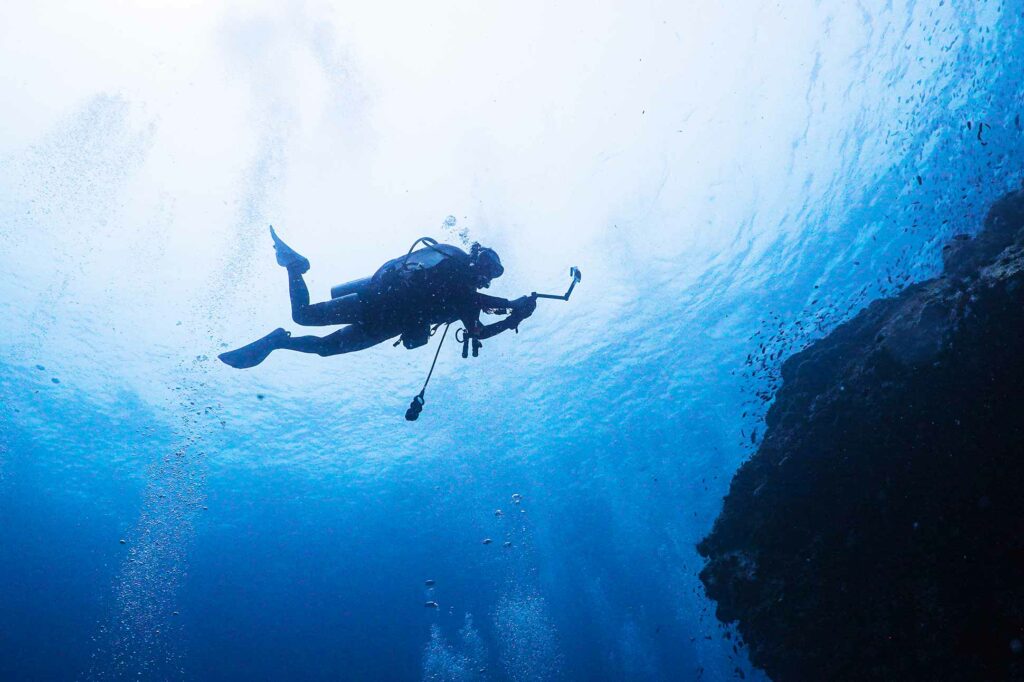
(485, 265)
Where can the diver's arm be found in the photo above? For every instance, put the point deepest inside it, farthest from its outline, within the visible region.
(521, 309)
(483, 301)
(486, 331)
(477, 329)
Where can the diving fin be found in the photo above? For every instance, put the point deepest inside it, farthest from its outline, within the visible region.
(287, 256)
(256, 352)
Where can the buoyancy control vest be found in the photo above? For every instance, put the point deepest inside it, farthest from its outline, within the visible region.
(419, 289)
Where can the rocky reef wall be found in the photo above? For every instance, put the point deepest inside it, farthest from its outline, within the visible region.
(878, 531)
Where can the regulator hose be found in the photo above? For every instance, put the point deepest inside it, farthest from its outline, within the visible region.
(416, 406)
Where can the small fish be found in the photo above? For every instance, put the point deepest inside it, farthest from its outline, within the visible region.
(429, 583)
(981, 129)
(506, 544)
(487, 541)
(430, 604)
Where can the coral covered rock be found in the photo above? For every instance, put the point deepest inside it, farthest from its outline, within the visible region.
(878, 532)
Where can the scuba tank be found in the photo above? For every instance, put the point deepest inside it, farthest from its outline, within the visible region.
(356, 286)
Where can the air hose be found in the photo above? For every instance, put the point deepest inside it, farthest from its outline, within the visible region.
(430, 243)
(416, 406)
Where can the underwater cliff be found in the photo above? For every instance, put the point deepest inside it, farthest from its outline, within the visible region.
(878, 531)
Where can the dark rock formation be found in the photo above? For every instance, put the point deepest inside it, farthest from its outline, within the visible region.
(878, 532)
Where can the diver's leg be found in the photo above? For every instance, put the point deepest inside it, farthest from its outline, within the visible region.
(255, 352)
(344, 310)
(347, 340)
(286, 255)
(298, 292)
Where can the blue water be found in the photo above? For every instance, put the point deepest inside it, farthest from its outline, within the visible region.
(734, 182)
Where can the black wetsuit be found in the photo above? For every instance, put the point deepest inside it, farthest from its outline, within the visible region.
(405, 297)
(434, 285)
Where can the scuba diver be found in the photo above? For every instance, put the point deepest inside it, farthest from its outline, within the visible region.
(408, 297)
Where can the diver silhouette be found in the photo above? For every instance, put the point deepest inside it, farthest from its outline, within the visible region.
(407, 297)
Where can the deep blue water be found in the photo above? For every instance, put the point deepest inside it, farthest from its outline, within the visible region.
(734, 182)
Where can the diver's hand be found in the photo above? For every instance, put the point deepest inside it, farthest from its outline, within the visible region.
(523, 307)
